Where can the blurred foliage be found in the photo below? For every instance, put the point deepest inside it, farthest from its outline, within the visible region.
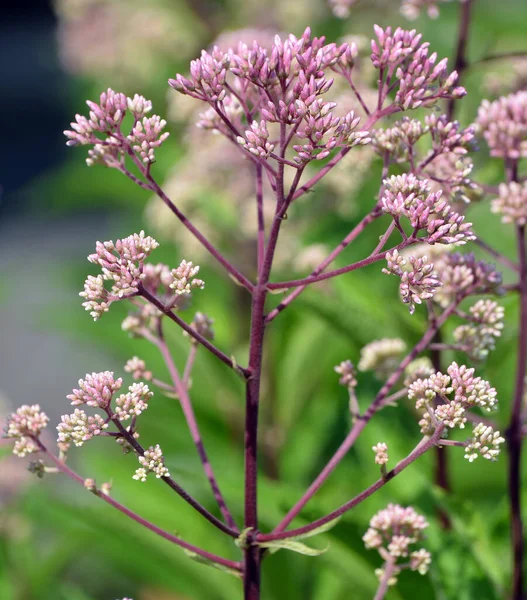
(59, 543)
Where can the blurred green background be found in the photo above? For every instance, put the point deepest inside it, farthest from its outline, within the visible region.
(59, 542)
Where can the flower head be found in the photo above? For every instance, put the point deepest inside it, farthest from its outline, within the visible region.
(511, 203)
(96, 390)
(78, 428)
(504, 125)
(393, 531)
(478, 337)
(381, 453)
(134, 402)
(151, 462)
(122, 264)
(25, 425)
(485, 442)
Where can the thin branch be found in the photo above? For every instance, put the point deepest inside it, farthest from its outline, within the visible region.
(347, 269)
(192, 332)
(506, 262)
(353, 234)
(61, 466)
(238, 276)
(127, 435)
(418, 451)
(190, 417)
(260, 218)
(389, 570)
(362, 421)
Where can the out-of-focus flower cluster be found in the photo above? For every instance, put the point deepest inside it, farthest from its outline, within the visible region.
(511, 203)
(420, 368)
(478, 337)
(123, 40)
(382, 356)
(102, 130)
(411, 9)
(393, 532)
(24, 426)
(462, 274)
(504, 125)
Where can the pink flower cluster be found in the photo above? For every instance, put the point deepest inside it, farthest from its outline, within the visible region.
(122, 263)
(404, 63)
(25, 425)
(102, 130)
(409, 197)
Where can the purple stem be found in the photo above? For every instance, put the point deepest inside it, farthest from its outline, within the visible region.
(260, 217)
(460, 60)
(506, 262)
(389, 568)
(127, 435)
(418, 451)
(188, 411)
(199, 236)
(514, 432)
(353, 234)
(126, 511)
(192, 332)
(347, 269)
(364, 419)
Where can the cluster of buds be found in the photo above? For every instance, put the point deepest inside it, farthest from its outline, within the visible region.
(511, 203)
(381, 453)
(134, 402)
(78, 428)
(462, 274)
(122, 263)
(382, 356)
(151, 462)
(392, 532)
(485, 442)
(146, 136)
(478, 337)
(446, 398)
(399, 140)
(202, 324)
(25, 426)
(418, 280)
(287, 83)
(256, 140)
(448, 136)
(346, 370)
(504, 125)
(96, 390)
(102, 130)
(412, 198)
(404, 61)
(184, 279)
(420, 368)
(137, 368)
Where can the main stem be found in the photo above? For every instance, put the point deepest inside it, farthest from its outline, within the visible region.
(252, 399)
(514, 436)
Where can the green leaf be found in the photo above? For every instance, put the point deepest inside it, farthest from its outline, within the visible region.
(322, 529)
(210, 563)
(290, 544)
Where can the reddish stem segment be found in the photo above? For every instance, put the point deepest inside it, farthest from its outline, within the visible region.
(364, 419)
(190, 417)
(129, 513)
(514, 433)
(418, 451)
